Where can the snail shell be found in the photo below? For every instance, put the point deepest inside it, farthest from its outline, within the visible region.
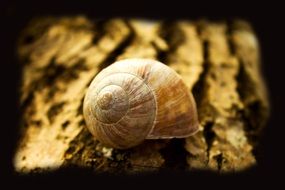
(137, 99)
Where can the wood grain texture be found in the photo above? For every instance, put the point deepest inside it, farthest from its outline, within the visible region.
(218, 61)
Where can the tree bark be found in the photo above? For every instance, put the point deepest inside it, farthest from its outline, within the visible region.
(219, 62)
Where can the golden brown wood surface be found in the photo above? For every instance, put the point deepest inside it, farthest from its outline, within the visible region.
(219, 62)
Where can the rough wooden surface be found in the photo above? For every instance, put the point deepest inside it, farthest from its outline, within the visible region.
(219, 62)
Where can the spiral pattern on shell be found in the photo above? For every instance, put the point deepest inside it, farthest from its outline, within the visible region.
(122, 105)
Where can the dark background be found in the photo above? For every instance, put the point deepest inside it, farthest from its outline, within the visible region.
(266, 18)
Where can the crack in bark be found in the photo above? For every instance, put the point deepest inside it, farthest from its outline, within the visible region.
(113, 56)
(251, 90)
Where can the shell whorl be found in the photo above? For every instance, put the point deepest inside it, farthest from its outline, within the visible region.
(135, 99)
(123, 108)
